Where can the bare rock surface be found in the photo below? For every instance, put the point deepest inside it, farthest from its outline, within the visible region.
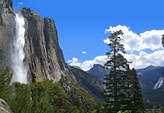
(44, 56)
(4, 108)
(7, 32)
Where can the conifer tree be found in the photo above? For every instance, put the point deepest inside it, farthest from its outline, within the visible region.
(138, 104)
(115, 81)
(122, 88)
(5, 79)
(21, 98)
(128, 92)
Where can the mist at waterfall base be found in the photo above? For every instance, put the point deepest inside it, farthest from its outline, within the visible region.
(19, 68)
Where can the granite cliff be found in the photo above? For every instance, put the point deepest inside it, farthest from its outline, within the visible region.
(43, 55)
(7, 32)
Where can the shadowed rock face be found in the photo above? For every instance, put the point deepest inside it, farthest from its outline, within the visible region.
(7, 32)
(43, 55)
(160, 82)
(99, 71)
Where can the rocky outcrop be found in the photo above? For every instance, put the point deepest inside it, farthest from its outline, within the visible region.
(7, 32)
(4, 108)
(44, 56)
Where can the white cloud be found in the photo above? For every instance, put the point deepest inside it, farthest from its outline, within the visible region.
(86, 65)
(134, 42)
(138, 61)
(74, 62)
(20, 3)
(150, 40)
(84, 52)
(145, 59)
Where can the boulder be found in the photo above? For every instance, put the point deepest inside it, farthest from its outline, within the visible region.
(4, 108)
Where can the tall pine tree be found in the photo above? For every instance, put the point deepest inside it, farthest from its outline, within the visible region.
(138, 103)
(122, 88)
(115, 81)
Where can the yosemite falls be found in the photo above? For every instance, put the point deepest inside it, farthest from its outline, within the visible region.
(19, 68)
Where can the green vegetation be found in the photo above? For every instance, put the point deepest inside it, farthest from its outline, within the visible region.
(137, 98)
(89, 83)
(40, 97)
(20, 101)
(126, 111)
(79, 97)
(122, 88)
(46, 96)
(5, 88)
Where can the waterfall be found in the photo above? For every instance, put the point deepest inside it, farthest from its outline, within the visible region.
(19, 68)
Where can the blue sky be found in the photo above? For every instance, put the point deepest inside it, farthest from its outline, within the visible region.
(81, 24)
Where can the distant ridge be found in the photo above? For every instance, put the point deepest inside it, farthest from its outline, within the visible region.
(98, 70)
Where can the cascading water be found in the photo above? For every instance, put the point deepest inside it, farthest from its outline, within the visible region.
(18, 66)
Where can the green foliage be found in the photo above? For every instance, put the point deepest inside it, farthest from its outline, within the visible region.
(40, 97)
(126, 111)
(79, 97)
(93, 111)
(161, 110)
(137, 98)
(45, 96)
(5, 88)
(21, 98)
(116, 82)
(48, 97)
(122, 88)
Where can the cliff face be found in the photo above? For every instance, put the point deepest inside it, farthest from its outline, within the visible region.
(43, 55)
(7, 32)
